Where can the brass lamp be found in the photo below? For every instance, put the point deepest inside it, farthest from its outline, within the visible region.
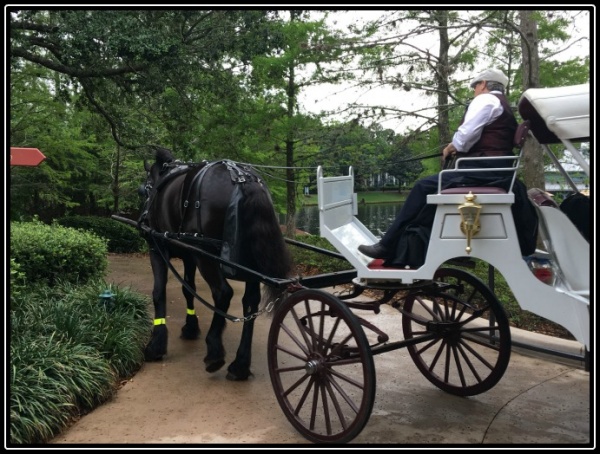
(469, 218)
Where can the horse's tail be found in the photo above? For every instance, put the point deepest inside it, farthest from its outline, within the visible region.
(263, 236)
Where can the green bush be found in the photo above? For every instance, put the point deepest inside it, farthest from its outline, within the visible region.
(122, 238)
(17, 277)
(317, 262)
(68, 353)
(48, 253)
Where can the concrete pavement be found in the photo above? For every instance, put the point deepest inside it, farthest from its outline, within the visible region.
(540, 401)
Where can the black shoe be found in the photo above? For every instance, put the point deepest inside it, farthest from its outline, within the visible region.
(375, 251)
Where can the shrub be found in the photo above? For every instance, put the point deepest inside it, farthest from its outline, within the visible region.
(122, 238)
(17, 277)
(49, 378)
(68, 353)
(47, 253)
(317, 262)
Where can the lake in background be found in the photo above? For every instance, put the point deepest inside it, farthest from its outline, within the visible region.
(377, 217)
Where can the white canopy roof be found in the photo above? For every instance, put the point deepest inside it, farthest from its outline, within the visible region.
(564, 111)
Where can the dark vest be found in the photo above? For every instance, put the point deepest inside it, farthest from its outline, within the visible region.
(497, 137)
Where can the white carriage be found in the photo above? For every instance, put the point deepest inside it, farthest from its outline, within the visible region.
(454, 327)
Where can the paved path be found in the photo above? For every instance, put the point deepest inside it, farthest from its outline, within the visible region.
(537, 402)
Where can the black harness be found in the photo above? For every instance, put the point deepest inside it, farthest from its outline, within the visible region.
(195, 173)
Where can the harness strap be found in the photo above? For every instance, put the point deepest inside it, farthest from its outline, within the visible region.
(194, 182)
(169, 171)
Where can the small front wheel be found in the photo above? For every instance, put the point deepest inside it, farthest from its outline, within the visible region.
(321, 367)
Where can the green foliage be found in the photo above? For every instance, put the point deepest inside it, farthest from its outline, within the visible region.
(17, 278)
(47, 253)
(48, 378)
(121, 238)
(45, 115)
(228, 83)
(317, 262)
(68, 352)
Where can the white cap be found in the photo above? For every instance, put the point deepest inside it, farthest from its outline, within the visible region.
(491, 75)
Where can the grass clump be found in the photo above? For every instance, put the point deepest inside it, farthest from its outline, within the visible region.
(68, 353)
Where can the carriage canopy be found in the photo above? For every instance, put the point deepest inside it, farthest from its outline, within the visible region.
(558, 113)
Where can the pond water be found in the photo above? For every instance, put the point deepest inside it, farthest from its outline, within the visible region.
(377, 217)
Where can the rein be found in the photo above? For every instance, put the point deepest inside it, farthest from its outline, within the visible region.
(268, 308)
(419, 158)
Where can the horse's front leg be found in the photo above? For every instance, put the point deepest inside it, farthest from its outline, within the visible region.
(239, 369)
(157, 346)
(191, 329)
(221, 294)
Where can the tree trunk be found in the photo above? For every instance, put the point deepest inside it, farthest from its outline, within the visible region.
(442, 75)
(533, 163)
(290, 221)
(115, 184)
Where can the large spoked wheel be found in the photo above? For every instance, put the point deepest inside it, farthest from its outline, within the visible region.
(321, 367)
(470, 348)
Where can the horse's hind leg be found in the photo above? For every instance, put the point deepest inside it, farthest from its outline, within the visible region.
(157, 346)
(190, 330)
(239, 369)
(221, 294)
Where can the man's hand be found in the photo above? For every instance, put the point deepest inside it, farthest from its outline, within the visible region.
(449, 151)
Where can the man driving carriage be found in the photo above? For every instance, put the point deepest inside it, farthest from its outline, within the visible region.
(487, 129)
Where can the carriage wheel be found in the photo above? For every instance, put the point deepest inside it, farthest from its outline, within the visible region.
(471, 347)
(321, 367)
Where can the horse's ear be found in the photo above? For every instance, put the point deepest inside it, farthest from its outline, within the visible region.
(147, 165)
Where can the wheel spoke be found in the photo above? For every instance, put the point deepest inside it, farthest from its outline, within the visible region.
(296, 341)
(301, 328)
(336, 404)
(425, 306)
(343, 393)
(305, 394)
(468, 361)
(295, 385)
(477, 355)
(458, 366)
(325, 408)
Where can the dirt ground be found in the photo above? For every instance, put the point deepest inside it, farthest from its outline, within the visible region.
(176, 402)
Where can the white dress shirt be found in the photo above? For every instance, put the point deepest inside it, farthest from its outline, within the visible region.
(483, 110)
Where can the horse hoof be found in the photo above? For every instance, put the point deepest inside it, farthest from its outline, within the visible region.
(151, 356)
(191, 329)
(242, 377)
(213, 366)
(189, 334)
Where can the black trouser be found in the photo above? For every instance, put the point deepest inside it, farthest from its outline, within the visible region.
(415, 208)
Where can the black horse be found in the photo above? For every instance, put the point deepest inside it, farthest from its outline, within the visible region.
(227, 209)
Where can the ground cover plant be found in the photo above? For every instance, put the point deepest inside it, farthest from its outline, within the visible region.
(73, 337)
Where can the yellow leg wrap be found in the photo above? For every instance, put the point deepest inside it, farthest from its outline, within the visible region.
(191, 311)
(160, 321)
